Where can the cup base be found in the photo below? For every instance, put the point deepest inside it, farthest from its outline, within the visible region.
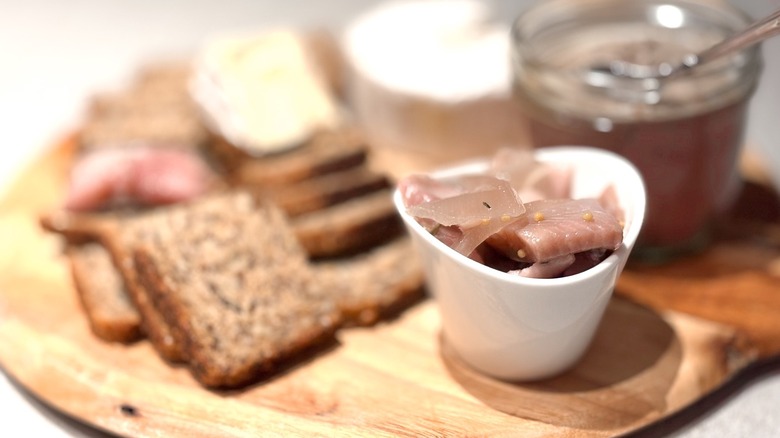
(458, 364)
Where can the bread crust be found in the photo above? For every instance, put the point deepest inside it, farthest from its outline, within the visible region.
(325, 152)
(375, 284)
(349, 227)
(101, 292)
(153, 324)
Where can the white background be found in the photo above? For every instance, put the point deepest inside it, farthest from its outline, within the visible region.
(54, 54)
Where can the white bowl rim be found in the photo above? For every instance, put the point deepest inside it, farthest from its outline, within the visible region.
(546, 154)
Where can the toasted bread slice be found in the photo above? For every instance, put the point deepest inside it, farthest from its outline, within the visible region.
(110, 313)
(118, 232)
(325, 191)
(155, 109)
(235, 287)
(327, 151)
(221, 272)
(349, 227)
(120, 239)
(374, 283)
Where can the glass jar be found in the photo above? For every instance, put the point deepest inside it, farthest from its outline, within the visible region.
(684, 135)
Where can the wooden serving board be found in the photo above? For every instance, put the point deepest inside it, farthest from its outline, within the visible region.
(673, 337)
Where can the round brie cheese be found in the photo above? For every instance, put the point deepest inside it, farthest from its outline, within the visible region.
(433, 76)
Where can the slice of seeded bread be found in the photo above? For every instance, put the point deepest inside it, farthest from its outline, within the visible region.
(375, 283)
(326, 152)
(120, 239)
(155, 109)
(176, 127)
(110, 313)
(234, 285)
(325, 191)
(118, 231)
(350, 226)
(226, 287)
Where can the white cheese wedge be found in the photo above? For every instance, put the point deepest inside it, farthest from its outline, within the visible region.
(433, 76)
(263, 93)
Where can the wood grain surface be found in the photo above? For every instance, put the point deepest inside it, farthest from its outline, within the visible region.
(672, 336)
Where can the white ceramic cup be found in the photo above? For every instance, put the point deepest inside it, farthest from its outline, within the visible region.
(517, 328)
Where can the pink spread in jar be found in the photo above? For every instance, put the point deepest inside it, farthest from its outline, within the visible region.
(684, 136)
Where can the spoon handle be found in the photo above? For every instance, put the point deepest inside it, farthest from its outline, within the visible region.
(755, 33)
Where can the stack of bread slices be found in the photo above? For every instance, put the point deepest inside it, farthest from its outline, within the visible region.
(283, 249)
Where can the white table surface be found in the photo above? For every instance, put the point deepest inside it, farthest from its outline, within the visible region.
(54, 54)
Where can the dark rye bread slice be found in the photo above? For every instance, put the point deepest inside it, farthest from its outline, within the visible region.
(118, 231)
(166, 77)
(155, 109)
(348, 227)
(119, 239)
(164, 126)
(111, 315)
(235, 286)
(374, 283)
(322, 192)
(359, 289)
(325, 152)
(327, 190)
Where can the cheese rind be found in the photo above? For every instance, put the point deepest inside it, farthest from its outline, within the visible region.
(262, 93)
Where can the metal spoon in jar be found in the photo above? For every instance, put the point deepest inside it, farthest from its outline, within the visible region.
(650, 77)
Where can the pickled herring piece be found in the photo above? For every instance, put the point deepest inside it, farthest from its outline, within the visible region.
(531, 179)
(478, 205)
(554, 228)
(479, 199)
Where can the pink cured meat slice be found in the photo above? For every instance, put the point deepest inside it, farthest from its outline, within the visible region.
(141, 175)
(531, 179)
(554, 228)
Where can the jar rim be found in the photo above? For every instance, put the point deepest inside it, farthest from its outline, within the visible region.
(573, 8)
(547, 17)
